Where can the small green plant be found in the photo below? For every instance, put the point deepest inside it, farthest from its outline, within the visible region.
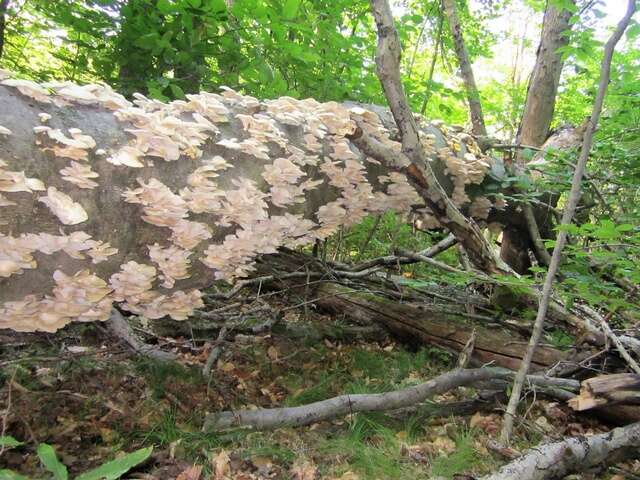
(109, 471)
(561, 339)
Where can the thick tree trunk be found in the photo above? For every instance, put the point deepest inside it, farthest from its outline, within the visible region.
(535, 122)
(466, 72)
(104, 201)
(545, 78)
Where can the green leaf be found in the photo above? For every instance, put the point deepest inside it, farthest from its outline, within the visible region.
(290, 9)
(11, 475)
(8, 441)
(565, 5)
(176, 91)
(49, 459)
(148, 41)
(633, 31)
(116, 468)
(165, 7)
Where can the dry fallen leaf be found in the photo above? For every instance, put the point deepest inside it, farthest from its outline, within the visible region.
(544, 424)
(304, 470)
(272, 352)
(489, 423)
(220, 464)
(263, 464)
(227, 367)
(191, 473)
(440, 446)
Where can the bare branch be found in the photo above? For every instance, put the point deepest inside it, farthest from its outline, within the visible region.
(268, 418)
(119, 326)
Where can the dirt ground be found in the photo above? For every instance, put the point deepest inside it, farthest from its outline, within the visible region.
(92, 399)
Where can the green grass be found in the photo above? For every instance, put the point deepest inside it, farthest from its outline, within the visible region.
(323, 387)
(463, 459)
(369, 448)
(158, 373)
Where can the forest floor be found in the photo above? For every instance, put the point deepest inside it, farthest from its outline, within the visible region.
(89, 397)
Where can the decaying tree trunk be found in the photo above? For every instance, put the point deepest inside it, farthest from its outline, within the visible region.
(608, 390)
(143, 204)
(428, 315)
(577, 454)
(442, 326)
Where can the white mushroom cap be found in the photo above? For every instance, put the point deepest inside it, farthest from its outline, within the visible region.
(63, 207)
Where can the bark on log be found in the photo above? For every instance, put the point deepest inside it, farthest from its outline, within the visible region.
(432, 326)
(151, 202)
(577, 454)
(608, 390)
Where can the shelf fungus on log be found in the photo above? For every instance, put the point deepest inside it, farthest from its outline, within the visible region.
(144, 203)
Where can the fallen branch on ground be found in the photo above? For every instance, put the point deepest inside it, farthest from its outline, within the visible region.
(269, 418)
(120, 328)
(216, 350)
(556, 460)
(619, 345)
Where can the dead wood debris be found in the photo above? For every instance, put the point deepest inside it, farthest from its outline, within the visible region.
(348, 404)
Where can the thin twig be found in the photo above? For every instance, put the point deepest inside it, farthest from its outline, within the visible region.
(534, 232)
(215, 352)
(619, 345)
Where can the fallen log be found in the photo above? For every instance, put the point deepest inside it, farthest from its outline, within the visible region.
(427, 324)
(576, 454)
(145, 203)
(608, 390)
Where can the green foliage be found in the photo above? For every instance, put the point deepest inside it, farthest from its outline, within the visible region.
(370, 448)
(560, 339)
(109, 471)
(116, 468)
(50, 461)
(7, 441)
(462, 459)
